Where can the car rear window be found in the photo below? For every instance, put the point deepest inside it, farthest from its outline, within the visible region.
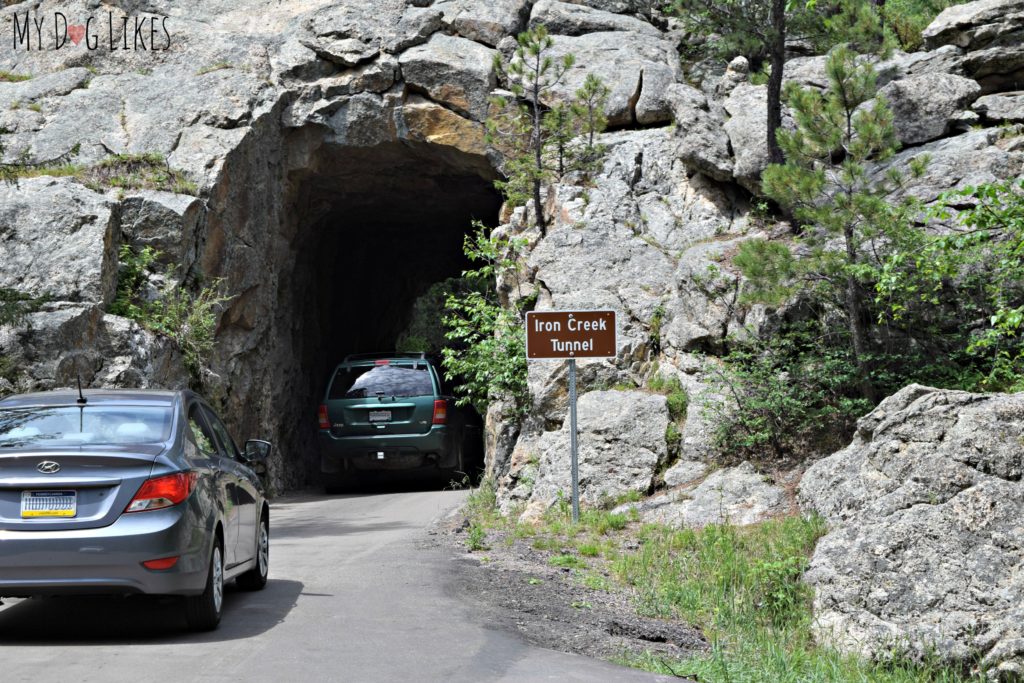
(386, 380)
(87, 425)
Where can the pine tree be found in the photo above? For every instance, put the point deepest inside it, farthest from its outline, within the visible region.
(531, 74)
(829, 187)
(759, 29)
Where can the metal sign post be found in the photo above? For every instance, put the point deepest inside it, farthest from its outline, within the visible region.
(572, 443)
(571, 335)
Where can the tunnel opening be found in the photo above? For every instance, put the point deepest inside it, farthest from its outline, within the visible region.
(374, 229)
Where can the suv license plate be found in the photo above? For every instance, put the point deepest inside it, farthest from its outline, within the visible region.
(49, 504)
(380, 416)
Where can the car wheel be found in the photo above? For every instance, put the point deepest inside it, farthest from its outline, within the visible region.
(202, 612)
(256, 578)
(457, 473)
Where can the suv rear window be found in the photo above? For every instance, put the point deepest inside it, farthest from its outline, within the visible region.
(386, 380)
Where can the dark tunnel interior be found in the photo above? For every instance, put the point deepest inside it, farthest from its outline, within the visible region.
(376, 228)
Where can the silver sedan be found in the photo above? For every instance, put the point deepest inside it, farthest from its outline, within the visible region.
(125, 492)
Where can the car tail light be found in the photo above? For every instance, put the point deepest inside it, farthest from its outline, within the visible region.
(162, 563)
(163, 492)
(440, 412)
(325, 421)
(382, 362)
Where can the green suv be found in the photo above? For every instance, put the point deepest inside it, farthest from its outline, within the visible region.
(388, 412)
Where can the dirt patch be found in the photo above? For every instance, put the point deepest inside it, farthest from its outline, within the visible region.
(516, 585)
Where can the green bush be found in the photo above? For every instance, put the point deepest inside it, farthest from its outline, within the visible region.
(15, 306)
(189, 319)
(792, 395)
(486, 353)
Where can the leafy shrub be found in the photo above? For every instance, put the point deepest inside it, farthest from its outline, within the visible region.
(188, 319)
(789, 396)
(132, 277)
(908, 18)
(487, 353)
(15, 306)
(959, 295)
(476, 538)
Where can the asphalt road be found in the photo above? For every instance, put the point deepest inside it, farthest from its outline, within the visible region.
(355, 594)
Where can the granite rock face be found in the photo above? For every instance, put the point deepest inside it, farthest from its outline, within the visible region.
(735, 495)
(992, 34)
(621, 444)
(925, 107)
(926, 540)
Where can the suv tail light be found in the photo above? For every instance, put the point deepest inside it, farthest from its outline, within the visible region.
(440, 412)
(163, 492)
(325, 421)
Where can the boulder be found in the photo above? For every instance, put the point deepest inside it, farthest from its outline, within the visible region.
(623, 60)
(485, 21)
(704, 307)
(737, 71)
(569, 19)
(946, 59)
(976, 25)
(747, 128)
(415, 28)
(426, 121)
(621, 444)
(925, 549)
(735, 495)
(164, 221)
(685, 472)
(992, 34)
(973, 158)
(703, 143)
(925, 106)
(1003, 108)
(59, 239)
(452, 71)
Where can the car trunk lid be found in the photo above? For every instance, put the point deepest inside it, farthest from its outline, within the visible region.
(71, 488)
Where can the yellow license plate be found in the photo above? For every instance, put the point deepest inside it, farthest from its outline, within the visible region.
(49, 504)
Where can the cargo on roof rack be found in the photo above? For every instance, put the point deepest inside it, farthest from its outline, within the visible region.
(385, 354)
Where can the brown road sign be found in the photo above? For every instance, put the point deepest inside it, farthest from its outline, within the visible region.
(570, 334)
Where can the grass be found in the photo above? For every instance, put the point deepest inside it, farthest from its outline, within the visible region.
(9, 77)
(126, 171)
(215, 67)
(740, 585)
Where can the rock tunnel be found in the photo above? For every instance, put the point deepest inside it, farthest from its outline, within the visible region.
(371, 229)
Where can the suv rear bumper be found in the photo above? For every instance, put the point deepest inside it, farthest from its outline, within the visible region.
(387, 452)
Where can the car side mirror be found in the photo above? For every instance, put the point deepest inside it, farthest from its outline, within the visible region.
(257, 451)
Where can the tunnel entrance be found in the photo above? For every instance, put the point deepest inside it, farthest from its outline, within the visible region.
(374, 229)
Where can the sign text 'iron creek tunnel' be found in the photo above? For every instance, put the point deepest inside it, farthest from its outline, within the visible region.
(570, 334)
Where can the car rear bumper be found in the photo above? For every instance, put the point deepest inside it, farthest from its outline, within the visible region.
(108, 559)
(387, 452)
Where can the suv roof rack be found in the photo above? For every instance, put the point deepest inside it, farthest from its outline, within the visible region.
(418, 355)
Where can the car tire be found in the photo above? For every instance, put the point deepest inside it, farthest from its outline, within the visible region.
(457, 472)
(256, 578)
(202, 612)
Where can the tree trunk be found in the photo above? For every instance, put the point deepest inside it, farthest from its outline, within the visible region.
(538, 149)
(777, 55)
(858, 332)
